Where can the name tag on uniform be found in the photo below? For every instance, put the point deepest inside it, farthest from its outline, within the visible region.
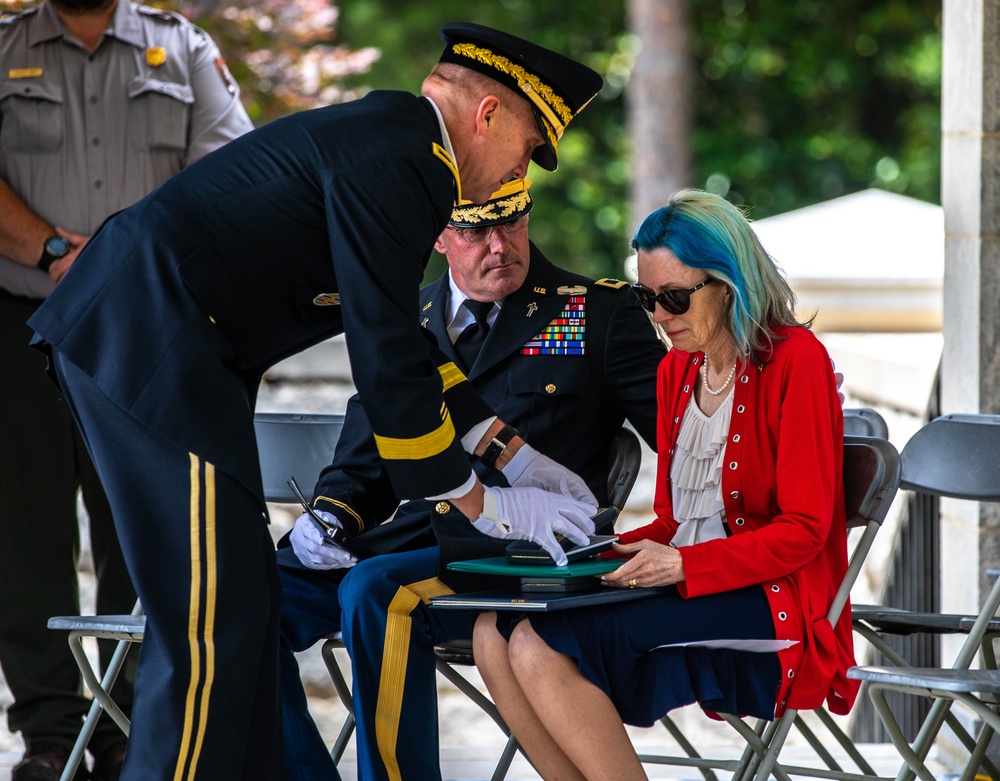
(24, 73)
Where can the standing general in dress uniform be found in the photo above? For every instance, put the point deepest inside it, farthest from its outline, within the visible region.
(565, 360)
(314, 225)
(100, 102)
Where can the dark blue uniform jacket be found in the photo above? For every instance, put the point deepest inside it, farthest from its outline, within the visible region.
(313, 225)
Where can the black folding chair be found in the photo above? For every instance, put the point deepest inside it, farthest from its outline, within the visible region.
(290, 445)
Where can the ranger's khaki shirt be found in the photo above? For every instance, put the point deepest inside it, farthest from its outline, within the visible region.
(83, 135)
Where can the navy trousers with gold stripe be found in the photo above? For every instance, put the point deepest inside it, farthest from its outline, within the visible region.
(202, 560)
(390, 632)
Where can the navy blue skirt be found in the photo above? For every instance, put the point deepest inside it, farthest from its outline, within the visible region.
(612, 645)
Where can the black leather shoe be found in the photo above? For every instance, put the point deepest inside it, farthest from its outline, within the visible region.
(44, 762)
(108, 763)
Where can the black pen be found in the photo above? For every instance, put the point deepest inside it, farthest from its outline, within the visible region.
(332, 535)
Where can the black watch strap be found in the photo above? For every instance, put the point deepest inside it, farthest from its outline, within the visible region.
(497, 445)
(46, 260)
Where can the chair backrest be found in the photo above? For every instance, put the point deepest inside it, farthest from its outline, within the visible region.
(623, 466)
(871, 477)
(301, 446)
(294, 445)
(955, 455)
(864, 422)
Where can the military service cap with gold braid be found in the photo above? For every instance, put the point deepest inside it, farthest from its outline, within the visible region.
(509, 203)
(557, 87)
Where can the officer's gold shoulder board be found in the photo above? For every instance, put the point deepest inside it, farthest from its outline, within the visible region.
(615, 284)
(442, 154)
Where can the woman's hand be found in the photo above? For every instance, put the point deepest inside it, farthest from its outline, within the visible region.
(652, 564)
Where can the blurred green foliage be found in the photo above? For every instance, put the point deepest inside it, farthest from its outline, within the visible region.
(799, 102)
(795, 102)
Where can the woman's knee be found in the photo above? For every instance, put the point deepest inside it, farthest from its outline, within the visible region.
(529, 653)
(485, 637)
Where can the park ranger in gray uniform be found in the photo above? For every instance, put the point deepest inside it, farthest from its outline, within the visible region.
(100, 102)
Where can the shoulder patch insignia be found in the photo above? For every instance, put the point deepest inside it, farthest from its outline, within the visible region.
(615, 284)
(225, 75)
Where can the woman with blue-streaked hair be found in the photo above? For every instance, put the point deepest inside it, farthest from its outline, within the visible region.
(749, 536)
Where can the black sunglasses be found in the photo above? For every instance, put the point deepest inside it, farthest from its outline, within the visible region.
(676, 302)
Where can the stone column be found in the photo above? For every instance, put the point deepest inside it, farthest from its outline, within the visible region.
(970, 194)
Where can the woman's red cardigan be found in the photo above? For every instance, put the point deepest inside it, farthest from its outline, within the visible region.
(782, 485)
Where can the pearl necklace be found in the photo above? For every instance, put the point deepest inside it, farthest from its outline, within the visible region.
(704, 378)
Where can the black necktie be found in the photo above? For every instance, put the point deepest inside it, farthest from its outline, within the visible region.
(469, 342)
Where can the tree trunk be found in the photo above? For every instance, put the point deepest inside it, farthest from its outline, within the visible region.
(658, 104)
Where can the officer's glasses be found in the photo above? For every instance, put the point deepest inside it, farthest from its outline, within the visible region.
(676, 302)
(478, 235)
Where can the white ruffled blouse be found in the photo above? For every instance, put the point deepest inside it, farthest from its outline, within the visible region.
(696, 474)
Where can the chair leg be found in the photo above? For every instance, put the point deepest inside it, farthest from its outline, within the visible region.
(768, 762)
(503, 764)
(756, 739)
(346, 697)
(470, 691)
(97, 687)
(686, 746)
(913, 758)
(978, 755)
(105, 685)
(346, 731)
(815, 743)
(845, 742)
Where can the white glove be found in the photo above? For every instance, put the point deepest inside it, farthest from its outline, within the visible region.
(531, 469)
(537, 515)
(308, 543)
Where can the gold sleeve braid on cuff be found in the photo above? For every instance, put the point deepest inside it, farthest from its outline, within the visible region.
(416, 448)
(346, 508)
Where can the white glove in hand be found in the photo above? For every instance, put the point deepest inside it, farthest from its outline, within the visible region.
(308, 543)
(531, 469)
(537, 515)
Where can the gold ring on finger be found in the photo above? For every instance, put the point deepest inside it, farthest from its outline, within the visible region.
(631, 583)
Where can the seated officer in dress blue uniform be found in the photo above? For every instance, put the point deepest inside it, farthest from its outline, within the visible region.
(566, 360)
(316, 224)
